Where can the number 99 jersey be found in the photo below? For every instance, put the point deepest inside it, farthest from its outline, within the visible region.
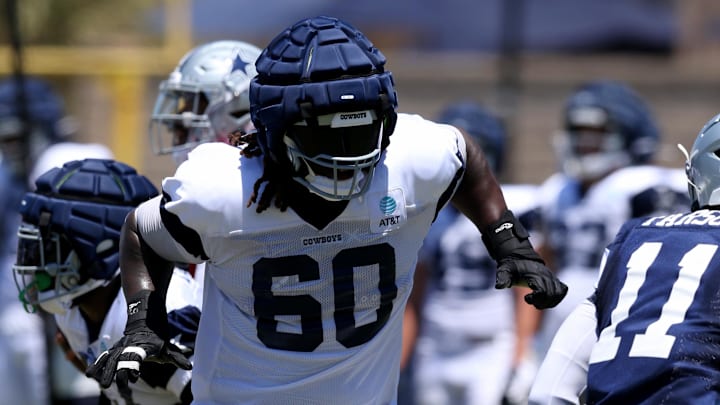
(658, 314)
(296, 314)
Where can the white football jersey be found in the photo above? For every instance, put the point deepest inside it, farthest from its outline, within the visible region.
(461, 298)
(298, 315)
(182, 291)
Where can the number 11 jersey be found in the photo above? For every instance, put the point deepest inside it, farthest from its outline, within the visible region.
(658, 313)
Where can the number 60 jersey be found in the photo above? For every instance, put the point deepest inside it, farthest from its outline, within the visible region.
(293, 313)
(658, 313)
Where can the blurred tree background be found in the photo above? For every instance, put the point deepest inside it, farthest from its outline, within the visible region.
(84, 22)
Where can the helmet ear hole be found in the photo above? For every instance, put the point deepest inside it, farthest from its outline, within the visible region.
(70, 281)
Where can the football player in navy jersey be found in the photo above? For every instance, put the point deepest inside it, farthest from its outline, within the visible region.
(649, 333)
(310, 232)
(67, 265)
(606, 149)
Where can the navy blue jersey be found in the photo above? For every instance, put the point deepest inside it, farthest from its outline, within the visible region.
(658, 312)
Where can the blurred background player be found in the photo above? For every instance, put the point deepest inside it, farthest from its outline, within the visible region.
(606, 148)
(473, 336)
(35, 134)
(23, 378)
(649, 332)
(67, 265)
(204, 99)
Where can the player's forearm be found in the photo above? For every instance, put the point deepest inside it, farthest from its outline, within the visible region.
(145, 290)
(479, 188)
(136, 258)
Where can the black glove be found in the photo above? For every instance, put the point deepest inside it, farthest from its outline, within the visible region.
(508, 243)
(139, 343)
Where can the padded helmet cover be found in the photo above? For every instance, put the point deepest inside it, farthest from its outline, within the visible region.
(317, 66)
(88, 201)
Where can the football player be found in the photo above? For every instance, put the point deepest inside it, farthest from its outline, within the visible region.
(606, 151)
(649, 332)
(473, 336)
(67, 265)
(204, 99)
(310, 232)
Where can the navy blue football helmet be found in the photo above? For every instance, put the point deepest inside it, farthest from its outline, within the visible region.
(69, 239)
(606, 126)
(21, 142)
(483, 125)
(324, 106)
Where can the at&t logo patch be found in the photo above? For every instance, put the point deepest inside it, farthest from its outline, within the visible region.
(387, 205)
(388, 212)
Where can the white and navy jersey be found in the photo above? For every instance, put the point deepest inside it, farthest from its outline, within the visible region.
(293, 313)
(461, 297)
(577, 226)
(658, 314)
(159, 384)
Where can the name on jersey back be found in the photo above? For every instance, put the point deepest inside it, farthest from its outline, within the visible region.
(700, 217)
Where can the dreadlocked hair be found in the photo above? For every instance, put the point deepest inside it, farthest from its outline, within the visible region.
(274, 174)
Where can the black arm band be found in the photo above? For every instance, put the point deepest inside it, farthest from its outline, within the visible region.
(508, 239)
(147, 308)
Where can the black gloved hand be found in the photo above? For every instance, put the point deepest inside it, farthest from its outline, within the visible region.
(548, 291)
(508, 243)
(139, 343)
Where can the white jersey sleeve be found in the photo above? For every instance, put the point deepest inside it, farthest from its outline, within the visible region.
(562, 376)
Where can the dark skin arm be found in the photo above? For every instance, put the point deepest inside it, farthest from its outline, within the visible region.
(480, 199)
(479, 188)
(136, 258)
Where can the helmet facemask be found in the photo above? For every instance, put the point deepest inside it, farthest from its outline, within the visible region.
(334, 155)
(47, 271)
(179, 119)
